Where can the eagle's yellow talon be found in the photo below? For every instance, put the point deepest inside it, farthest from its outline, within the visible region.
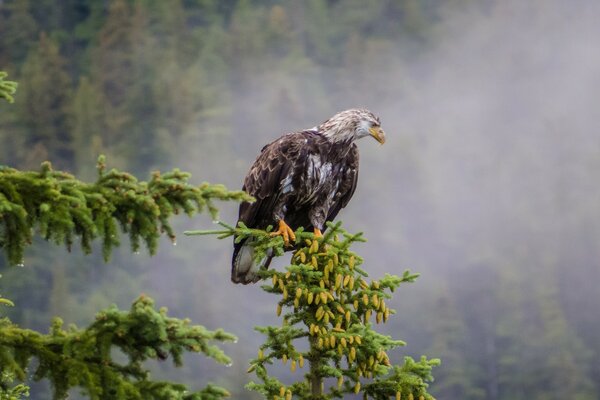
(318, 234)
(285, 231)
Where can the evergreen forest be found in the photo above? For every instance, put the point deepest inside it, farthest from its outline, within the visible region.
(486, 186)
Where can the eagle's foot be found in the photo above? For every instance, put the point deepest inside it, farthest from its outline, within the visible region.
(318, 234)
(286, 232)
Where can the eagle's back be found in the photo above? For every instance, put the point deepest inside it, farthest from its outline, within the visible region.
(298, 171)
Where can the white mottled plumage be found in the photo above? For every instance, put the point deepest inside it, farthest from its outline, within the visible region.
(348, 125)
(286, 184)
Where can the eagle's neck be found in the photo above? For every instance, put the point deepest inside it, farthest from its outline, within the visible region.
(337, 149)
(338, 130)
(338, 137)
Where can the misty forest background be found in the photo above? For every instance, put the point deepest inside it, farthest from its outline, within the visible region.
(487, 186)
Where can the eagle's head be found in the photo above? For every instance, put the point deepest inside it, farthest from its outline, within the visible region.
(349, 125)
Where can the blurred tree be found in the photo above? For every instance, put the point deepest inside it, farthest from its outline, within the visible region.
(137, 69)
(17, 31)
(550, 367)
(564, 357)
(279, 34)
(167, 24)
(317, 33)
(449, 342)
(113, 71)
(88, 126)
(44, 108)
(245, 54)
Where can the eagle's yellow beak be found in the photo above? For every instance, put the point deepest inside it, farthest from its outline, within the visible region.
(378, 134)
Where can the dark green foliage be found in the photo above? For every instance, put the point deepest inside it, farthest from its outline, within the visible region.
(17, 31)
(330, 306)
(5, 302)
(8, 391)
(7, 88)
(63, 208)
(46, 98)
(83, 357)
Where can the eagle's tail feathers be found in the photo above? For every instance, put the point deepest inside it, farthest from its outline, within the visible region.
(244, 269)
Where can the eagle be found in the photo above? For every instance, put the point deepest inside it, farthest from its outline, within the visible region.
(301, 179)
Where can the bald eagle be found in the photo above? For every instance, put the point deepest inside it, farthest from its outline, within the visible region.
(302, 179)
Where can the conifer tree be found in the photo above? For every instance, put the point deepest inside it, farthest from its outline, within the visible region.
(17, 31)
(88, 126)
(62, 209)
(449, 339)
(330, 305)
(112, 70)
(46, 98)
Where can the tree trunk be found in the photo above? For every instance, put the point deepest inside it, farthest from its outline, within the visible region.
(316, 381)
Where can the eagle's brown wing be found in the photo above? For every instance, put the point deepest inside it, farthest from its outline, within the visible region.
(347, 184)
(264, 180)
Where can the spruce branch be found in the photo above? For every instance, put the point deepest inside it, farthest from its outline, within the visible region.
(5, 302)
(8, 391)
(7, 88)
(329, 303)
(76, 357)
(64, 209)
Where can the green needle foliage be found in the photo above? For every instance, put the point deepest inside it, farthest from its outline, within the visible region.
(7, 88)
(82, 357)
(5, 302)
(330, 305)
(9, 391)
(63, 208)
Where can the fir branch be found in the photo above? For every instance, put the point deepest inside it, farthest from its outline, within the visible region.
(331, 304)
(63, 208)
(82, 357)
(7, 88)
(8, 391)
(5, 302)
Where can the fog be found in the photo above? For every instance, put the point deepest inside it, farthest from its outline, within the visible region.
(487, 186)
